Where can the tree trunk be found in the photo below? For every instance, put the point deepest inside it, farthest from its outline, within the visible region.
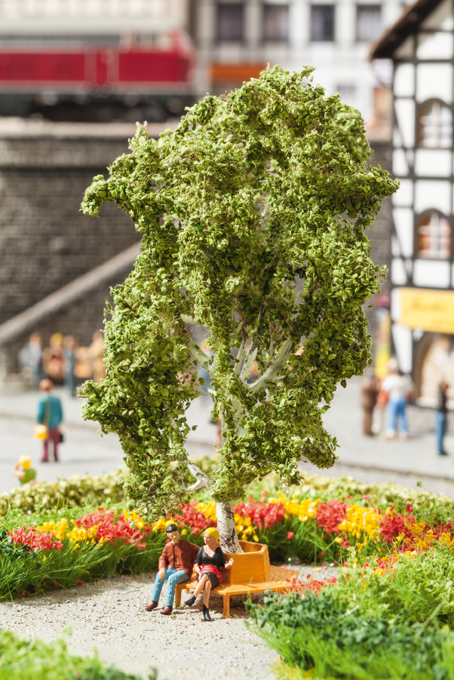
(225, 515)
(228, 538)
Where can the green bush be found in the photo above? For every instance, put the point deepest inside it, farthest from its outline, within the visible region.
(418, 585)
(72, 492)
(38, 660)
(316, 634)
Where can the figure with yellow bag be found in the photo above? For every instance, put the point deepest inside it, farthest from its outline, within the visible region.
(24, 472)
(50, 417)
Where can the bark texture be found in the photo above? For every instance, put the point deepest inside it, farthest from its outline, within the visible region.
(228, 538)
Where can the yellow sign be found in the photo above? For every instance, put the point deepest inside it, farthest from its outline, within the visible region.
(430, 310)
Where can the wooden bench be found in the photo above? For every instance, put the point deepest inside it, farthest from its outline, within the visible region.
(251, 573)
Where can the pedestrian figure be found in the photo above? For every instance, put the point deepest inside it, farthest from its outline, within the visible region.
(370, 387)
(96, 354)
(24, 472)
(399, 389)
(31, 360)
(53, 359)
(69, 364)
(441, 415)
(50, 414)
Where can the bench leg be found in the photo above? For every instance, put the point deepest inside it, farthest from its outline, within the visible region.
(178, 596)
(226, 612)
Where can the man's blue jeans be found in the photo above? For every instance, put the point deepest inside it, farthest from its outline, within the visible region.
(173, 577)
(396, 411)
(440, 429)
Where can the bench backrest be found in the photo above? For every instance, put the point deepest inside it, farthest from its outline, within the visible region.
(251, 566)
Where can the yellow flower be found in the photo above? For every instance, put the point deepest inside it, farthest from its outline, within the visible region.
(160, 525)
(361, 521)
(81, 534)
(134, 517)
(58, 530)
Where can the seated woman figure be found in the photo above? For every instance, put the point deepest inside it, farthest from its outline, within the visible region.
(207, 564)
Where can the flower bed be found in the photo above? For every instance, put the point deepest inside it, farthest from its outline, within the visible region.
(62, 547)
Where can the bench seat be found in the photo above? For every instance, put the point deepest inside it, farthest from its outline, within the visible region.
(279, 580)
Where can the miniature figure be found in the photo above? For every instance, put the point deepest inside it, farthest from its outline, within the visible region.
(24, 472)
(207, 564)
(50, 417)
(175, 564)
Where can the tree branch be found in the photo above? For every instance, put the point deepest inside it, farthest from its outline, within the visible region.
(244, 375)
(198, 355)
(271, 371)
(202, 480)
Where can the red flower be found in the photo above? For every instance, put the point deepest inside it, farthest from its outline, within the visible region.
(330, 515)
(290, 535)
(262, 515)
(28, 536)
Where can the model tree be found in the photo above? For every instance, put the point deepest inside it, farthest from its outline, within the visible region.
(252, 215)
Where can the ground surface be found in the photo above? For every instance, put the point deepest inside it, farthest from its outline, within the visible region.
(110, 616)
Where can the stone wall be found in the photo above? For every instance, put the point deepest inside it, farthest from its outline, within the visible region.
(45, 241)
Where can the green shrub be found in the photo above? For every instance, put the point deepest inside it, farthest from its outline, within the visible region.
(38, 660)
(418, 585)
(315, 633)
(72, 492)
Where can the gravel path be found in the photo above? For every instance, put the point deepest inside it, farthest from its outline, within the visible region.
(110, 616)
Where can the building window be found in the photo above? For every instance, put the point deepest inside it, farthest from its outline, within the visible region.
(433, 236)
(368, 22)
(230, 22)
(322, 23)
(275, 23)
(435, 125)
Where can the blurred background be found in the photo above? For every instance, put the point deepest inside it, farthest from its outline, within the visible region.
(76, 75)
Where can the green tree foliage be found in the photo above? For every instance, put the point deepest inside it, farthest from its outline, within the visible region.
(256, 189)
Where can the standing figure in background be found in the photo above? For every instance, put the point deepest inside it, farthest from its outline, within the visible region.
(399, 389)
(370, 387)
(96, 354)
(53, 359)
(31, 360)
(69, 364)
(24, 471)
(441, 415)
(50, 414)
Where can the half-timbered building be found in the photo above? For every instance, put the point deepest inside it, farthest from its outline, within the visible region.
(421, 47)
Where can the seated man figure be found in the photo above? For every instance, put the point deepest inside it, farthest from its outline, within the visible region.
(175, 564)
